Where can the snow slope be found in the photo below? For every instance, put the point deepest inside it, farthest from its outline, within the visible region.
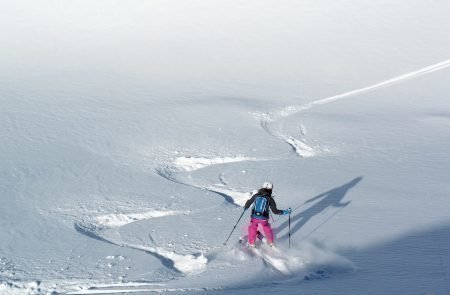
(133, 133)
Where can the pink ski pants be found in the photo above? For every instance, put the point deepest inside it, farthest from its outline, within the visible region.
(253, 228)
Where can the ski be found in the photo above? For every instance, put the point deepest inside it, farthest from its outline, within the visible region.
(265, 253)
(277, 264)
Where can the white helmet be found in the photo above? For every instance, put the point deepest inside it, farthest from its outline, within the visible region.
(267, 185)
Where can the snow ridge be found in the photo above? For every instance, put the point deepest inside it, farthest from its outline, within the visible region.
(16, 288)
(120, 219)
(195, 163)
(300, 147)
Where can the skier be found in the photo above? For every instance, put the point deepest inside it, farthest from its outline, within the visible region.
(262, 200)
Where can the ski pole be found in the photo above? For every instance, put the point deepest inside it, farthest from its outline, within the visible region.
(234, 227)
(289, 230)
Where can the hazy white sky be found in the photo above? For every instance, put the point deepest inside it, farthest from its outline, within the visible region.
(280, 48)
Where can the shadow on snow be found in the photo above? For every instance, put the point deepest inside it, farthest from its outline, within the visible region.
(330, 199)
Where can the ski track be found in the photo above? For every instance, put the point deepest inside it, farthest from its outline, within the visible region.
(197, 263)
(299, 146)
(291, 110)
(189, 164)
(89, 287)
(230, 195)
(98, 228)
(153, 290)
(195, 163)
(118, 220)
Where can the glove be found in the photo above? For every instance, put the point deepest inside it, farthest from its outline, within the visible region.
(287, 211)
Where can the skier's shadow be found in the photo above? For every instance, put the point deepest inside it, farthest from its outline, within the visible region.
(332, 198)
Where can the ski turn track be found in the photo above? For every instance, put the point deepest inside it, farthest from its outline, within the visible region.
(183, 165)
(291, 110)
(300, 146)
(101, 227)
(196, 263)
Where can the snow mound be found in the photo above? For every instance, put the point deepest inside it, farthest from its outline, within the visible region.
(121, 219)
(300, 147)
(238, 198)
(188, 264)
(8, 288)
(195, 163)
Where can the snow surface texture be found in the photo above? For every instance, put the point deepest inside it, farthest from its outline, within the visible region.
(133, 133)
